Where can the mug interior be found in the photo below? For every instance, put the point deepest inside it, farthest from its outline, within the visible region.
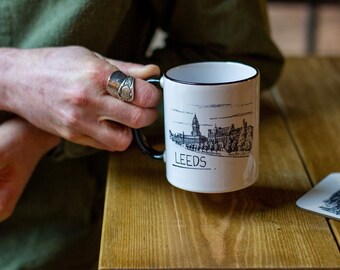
(211, 73)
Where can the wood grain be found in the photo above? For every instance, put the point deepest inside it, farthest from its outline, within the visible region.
(309, 98)
(148, 224)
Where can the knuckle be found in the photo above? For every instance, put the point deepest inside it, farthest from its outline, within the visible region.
(137, 117)
(72, 121)
(121, 147)
(124, 140)
(70, 118)
(98, 72)
(148, 95)
(80, 99)
(70, 128)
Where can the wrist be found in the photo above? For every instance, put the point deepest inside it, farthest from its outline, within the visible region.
(8, 57)
(38, 140)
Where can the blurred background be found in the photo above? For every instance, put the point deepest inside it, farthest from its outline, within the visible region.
(305, 27)
(298, 27)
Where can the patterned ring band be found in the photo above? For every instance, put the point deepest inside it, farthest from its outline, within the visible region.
(121, 85)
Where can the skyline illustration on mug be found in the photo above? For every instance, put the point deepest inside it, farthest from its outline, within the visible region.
(228, 141)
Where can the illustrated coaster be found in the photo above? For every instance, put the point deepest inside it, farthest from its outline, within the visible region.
(324, 198)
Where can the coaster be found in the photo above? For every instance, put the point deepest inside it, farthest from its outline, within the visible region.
(324, 198)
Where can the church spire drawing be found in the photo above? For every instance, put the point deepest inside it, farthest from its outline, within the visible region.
(195, 127)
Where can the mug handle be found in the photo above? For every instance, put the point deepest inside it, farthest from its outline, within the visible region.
(139, 137)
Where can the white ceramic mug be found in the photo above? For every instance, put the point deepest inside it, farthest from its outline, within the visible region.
(211, 121)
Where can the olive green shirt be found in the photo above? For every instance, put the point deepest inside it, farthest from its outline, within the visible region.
(56, 224)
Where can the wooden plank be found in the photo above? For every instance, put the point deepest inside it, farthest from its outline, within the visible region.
(309, 99)
(150, 224)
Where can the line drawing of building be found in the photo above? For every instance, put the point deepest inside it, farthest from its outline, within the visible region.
(220, 141)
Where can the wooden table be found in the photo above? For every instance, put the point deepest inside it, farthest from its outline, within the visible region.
(150, 224)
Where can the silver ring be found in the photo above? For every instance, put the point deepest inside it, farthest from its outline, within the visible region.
(121, 86)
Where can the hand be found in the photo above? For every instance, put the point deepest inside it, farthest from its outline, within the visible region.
(21, 147)
(63, 91)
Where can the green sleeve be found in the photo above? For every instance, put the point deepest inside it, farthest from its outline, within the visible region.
(69, 150)
(218, 30)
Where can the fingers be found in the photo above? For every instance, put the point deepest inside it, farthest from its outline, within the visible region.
(112, 130)
(110, 136)
(109, 126)
(146, 95)
(136, 70)
(116, 137)
(127, 114)
(140, 111)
